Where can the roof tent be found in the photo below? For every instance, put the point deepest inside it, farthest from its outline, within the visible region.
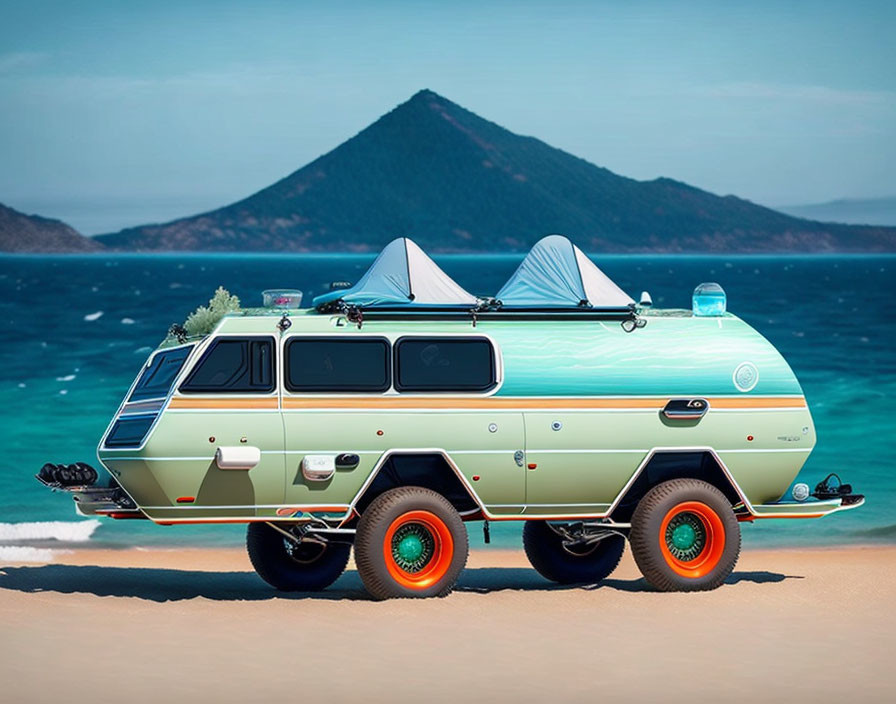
(402, 276)
(557, 274)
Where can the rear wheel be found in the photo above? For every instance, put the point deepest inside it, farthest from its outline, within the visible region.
(555, 558)
(410, 542)
(685, 536)
(308, 566)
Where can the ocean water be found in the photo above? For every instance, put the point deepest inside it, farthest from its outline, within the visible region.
(76, 329)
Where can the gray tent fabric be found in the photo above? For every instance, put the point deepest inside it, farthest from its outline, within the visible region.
(402, 275)
(556, 273)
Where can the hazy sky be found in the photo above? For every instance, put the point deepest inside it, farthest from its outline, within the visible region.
(120, 113)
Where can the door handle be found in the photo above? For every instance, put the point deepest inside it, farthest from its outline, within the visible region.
(686, 408)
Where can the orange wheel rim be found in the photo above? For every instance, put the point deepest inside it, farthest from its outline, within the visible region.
(692, 539)
(418, 548)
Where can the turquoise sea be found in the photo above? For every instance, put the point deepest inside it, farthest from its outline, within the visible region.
(76, 329)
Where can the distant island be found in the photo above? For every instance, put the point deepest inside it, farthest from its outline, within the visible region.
(33, 234)
(857, 211)
(455, 182)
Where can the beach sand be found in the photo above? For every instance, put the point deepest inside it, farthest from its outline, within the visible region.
(197, 625)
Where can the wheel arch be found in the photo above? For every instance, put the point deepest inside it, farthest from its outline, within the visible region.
(665, 463)
(429, 468)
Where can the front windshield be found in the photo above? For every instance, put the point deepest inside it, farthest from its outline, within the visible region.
(159, 375)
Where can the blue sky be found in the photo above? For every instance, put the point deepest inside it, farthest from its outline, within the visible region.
(121, 113)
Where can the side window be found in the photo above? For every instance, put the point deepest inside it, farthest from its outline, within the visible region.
(337, 365)
(157, 378)
(234, 365)
(445, 364)
(129, 431)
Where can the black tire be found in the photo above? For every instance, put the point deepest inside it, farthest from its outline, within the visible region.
(439, 534)
(87, 474)
(307, 567)
(587, 565)
(47, 473)
(710, 546)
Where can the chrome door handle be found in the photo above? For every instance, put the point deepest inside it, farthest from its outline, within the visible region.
(686, 408)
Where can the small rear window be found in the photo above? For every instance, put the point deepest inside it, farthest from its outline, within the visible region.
(234, 365)
(337, 365)
(445, 364)
(129, 431)
(159, 375)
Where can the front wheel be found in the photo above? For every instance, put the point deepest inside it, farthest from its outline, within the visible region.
(685, 536)
(584, 563)
(410, 542)
(308, 566)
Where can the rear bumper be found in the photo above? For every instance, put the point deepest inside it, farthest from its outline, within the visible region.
(90, 500)
(804, 509)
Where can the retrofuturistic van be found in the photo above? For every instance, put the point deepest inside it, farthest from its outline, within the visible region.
(390, 413)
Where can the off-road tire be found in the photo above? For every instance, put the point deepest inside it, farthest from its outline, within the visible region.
(425, 517)
(696, 568)
(271, 558)
(545, 550)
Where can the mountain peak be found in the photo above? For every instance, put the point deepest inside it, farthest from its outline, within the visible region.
(424, 101)
(424, 94)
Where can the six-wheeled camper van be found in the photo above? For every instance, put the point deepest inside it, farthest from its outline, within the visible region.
(389, 414)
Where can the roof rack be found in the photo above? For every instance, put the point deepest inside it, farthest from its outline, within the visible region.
(491, 310)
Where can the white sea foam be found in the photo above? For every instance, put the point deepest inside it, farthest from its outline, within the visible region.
(63, 531)
(127, 321)
(15, 553)
(93, 316)
(67, 377)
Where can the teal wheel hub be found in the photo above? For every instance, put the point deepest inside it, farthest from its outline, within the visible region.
(685, 536)
(413, 547)
(410, 548)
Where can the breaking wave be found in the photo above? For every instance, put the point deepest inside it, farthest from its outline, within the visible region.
(17, 553)
(63, 531)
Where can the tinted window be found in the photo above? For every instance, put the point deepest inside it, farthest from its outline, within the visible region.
(130, 431)
(233, 365)
(157, 378)
(328, 364)
(445, 364)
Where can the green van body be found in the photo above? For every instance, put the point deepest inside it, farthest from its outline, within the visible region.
(575, 417)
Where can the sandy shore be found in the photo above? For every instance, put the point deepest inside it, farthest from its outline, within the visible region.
(199, 626)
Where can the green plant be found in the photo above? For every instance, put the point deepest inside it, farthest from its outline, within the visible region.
(204, 319)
